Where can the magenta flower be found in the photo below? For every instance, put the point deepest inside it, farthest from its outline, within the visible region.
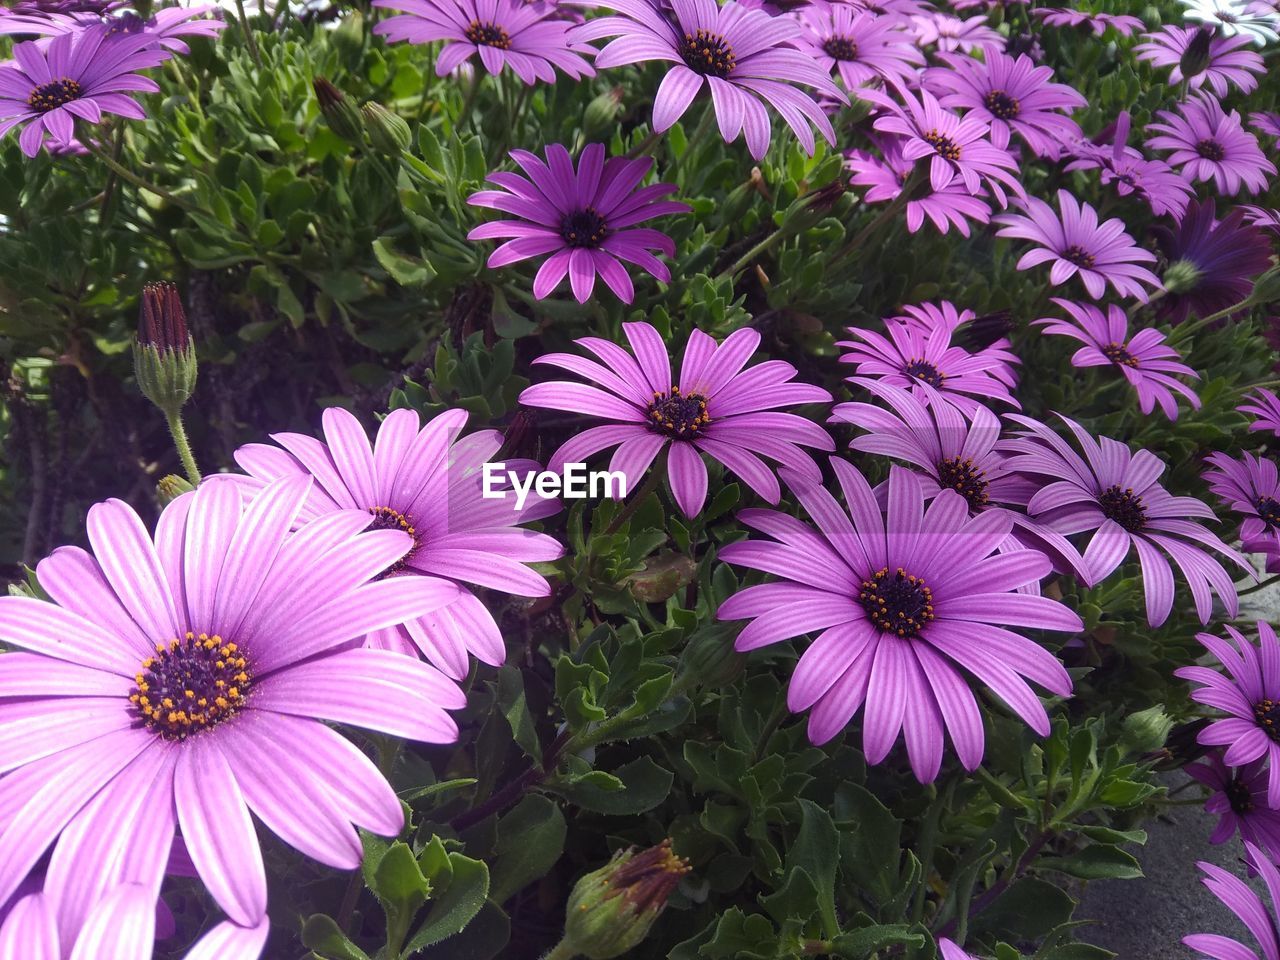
(1227, 60)
(1249, 486)
(1250, 696)
(1113, 493)
(861, 46)
(1264, 406)
(1267, 124)
(1012, 94)
(167, 26)
(426, 481)
(46, 7)
(1238, 796)
(929, 317)
(1212, 262)
(957, 147)
(744, 56)
(1246, 905)
(183, 681)
(908, 603)
(1154, 181)
(47, 86)
(1123, 24)
(1077, 243)
(716, 407)
(951, 952)
(947, 33)
(1208, 144)
(1264, 218)
(1144, 359)
(885, 174)
(584, 218)
(503, 33)
(121, 924)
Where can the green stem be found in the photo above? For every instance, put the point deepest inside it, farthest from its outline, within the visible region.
(1183, 330)
(250, 40)
(650, 484)
(644, 146)
(885, 216)
(179, 433)
(744, 261)
(124, 173)
(695, 140)
(469, 102)
(1260, 585)
(561, 951)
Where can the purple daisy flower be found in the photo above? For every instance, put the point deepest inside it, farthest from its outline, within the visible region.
(1250, 696)
(716, 407)
(1264, 406)
(1262, 217)
(1212, 262)
(121, 924)
(43, 7)
(1256, 21)
(426, 481)
(744, 56)
(166, 27)
(947, 33)
(957, 147)
(1150, 365)
(908, 601)
(46, 87)
(1208, 144)
(1012, 94)
(503, 33)
(584, 218)
(1113, 493)
(1226, 60)
(1236, 895)
(1154, 181)
(952, 952)
(1076, 242)
(1238, 796)
(912, 356)
(885, 173)
(1249, 486)
(1123, 24)
(928, 317)
(861, 46)
(1268, 124)
(182, 681)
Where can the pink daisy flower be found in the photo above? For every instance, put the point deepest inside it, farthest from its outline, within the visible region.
(1228, 61)
(1123, 24)
(1131, 172)
(1208, 144)
(860, 46)
(1264, 406)
(1238, 797)
(947, 33)
(1250, 486)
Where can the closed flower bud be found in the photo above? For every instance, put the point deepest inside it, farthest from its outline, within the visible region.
(1266, 289)
(598, 119)
(1181, 276)
(661, 577)
(164, 355)
(611, 909)
(387, 131)
(1195, 58)
(339, 112)
(171, 487)
(1146, 730)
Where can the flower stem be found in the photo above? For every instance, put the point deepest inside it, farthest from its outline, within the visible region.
(637, 498)
(179, 434)
(469, 101)
(886, 215)
(250, 40)
(1185, 329)
(744, 261)
(124, 173)
(1260, 585)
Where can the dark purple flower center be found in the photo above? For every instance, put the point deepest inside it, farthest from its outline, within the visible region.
(1078, 255)
(190, 685)
(1003, 106)
(678, 416)
(965, 479)
(925, 372)
(1119, 353)
(1226, 17)
(897, 602)
(1239, 796)
(50, 96)
(384, 518)
(488, 35)
(584, 228)
(1211, 150)
(945, 147)
(1267, 713)
(126, 23)
(707, 53)
(841, 48)
(1124, 507)
(1268, 511)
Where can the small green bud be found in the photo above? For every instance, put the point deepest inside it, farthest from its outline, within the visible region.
(1266, 289)
(599, 118)
(611, 909)
(338, 111)
(164, 355)
(1181, 276)
(171, 487)
(387, 131)
(1146, 730)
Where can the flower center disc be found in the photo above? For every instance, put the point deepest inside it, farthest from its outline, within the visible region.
(50, 96)
(1211, 150)
(384, 518)
(676, 415)
(190, 685)
(1268, 511)
(488, 35)
(1239, 796)
(1124, 507)
(897, 602)
(1078, 255)
(841, 48)
(583, 228)
(707, 53)
(1003, 106)
(1118, 353)
(925, 372)
(946, 148)
(961, 476)
(1267, 713)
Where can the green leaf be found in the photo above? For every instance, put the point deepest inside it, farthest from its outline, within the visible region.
(817, 851)
(406, 271)
(458, 906)
(530, 840)
(484, 938)
(1029, 909)
(1096, 862)
(511, 699)
(323, 935)
(863, 942)
(641, 786)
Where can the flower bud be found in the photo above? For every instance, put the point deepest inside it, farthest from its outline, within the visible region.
(1266, 289)
(1146, 730)
(339, 112)
(598, 119)
(164, 355)
(611, 909)
(387, 131)
(1181, 276)
(1195, 58)
(661, 577)
(171, 487)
